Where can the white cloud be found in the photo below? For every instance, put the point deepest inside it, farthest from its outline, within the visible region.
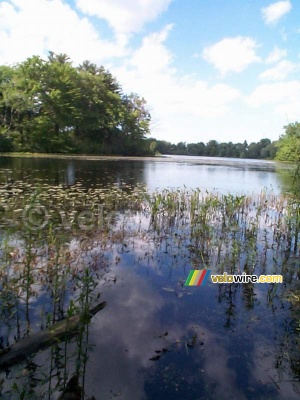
(276, 55)
(289, 110)
(275, 11)
(279, 72)
(153, 56)
(177, 104)
(124, 15)
(232, 54)
(37, 26)
(279, 94)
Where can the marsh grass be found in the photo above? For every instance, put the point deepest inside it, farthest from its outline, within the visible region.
(56, 241)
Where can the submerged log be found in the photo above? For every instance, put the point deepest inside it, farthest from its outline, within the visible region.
(73, 390)
(59, 331)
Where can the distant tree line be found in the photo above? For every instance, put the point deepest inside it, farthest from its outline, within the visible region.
(50, 106)
(264, 149)
(287, 148)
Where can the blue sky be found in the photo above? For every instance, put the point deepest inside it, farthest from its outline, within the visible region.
(209, 69)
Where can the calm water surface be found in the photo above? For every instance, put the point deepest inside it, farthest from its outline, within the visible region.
(140, 339)
(222, 175)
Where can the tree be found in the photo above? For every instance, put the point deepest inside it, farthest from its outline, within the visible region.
(163, 147)
(88, 66)
(268, 152)
(61, 58)
(181, 148)
(135, 122)
(101, 108)
(59, 98)
(212, 148)
(6, 74)
(51, 106)
(21, 100)
(289, 144)
(255, 150)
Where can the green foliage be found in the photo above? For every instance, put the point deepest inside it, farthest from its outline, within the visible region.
(5, 144)
(289, 144)
(50, 106)
(264, 149)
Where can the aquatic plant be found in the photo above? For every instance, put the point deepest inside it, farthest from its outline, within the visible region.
(57, 244)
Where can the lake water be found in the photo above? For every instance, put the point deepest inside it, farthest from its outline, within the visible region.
(220, 174)
(157, 339)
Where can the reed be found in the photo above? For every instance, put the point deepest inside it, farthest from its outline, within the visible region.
(52, 261)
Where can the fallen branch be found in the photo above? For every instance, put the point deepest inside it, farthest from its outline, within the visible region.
(59, 331)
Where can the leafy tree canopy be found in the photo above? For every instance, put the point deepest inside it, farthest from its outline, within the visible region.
(52, 106)
(289, 144)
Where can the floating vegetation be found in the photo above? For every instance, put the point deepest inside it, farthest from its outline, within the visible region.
(58, 243)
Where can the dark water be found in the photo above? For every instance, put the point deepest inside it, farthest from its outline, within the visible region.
(142, 342)
(222, 175)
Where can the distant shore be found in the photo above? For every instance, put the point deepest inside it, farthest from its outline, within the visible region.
(80, 156)
(160, 158)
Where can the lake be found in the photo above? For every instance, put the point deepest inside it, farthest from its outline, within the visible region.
(220, 174)
(156, 338)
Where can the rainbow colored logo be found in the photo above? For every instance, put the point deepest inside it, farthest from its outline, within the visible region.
(197, 277)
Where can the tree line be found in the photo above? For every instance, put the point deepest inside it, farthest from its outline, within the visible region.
(286, 148)
(53, 107)
(264, 149)
(50, 106)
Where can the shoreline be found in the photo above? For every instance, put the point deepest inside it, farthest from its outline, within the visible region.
(79, 156)
(162, 158)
